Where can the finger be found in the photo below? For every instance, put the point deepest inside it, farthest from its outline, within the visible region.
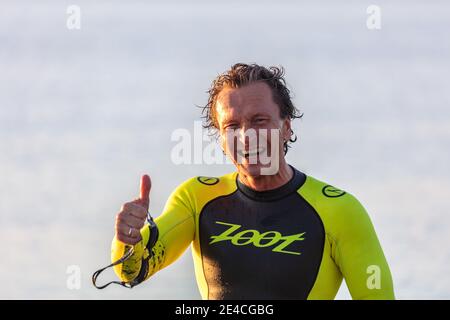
(128, 231)
(124, 224)
(144, 193)
(127, 240)
(131, 221)
(135, 209)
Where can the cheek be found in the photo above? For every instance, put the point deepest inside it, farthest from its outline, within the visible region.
(276, 141)
(282, 134)
(227, 144)
(274, 135)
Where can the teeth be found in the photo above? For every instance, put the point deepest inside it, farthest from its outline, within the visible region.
(252, 152)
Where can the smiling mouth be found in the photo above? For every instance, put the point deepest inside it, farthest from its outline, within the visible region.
(250, 153)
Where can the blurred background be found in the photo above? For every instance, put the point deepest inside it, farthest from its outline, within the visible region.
(85, 112)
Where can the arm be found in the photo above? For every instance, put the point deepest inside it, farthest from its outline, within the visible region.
(358, 253)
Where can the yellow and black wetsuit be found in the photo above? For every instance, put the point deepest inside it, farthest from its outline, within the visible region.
(294, 242)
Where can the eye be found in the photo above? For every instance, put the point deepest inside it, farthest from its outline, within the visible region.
(260, 120)
(231, 126)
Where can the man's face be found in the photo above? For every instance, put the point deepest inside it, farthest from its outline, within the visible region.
(251, 129)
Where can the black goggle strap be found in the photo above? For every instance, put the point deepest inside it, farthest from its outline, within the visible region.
(154, 233)
(121, 260)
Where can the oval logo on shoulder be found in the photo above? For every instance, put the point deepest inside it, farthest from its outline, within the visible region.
(209, 181)
(332, 192)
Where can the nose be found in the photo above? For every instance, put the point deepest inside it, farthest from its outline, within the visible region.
(248, 137)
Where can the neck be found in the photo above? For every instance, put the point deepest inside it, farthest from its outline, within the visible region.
(263, 183)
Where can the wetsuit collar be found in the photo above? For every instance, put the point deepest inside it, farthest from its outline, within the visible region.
(297, 180)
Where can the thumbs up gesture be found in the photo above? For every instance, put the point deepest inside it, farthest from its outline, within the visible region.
(132, 215)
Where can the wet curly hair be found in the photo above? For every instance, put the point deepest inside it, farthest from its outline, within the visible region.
(242, 74)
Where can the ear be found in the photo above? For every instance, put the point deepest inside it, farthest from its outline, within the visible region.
(286, 130)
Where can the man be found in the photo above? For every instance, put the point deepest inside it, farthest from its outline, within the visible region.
(256, 235)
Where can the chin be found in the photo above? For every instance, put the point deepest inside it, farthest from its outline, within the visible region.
(252, 170)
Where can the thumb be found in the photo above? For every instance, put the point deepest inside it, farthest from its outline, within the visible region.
(144, 194)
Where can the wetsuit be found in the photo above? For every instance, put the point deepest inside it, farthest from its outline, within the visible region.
(294, 242)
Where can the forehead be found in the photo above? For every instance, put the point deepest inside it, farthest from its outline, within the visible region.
(252, 98)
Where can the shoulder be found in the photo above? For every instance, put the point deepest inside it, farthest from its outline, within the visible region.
(201, 189)
(202, 183)
(333, 204)
(319, 191)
